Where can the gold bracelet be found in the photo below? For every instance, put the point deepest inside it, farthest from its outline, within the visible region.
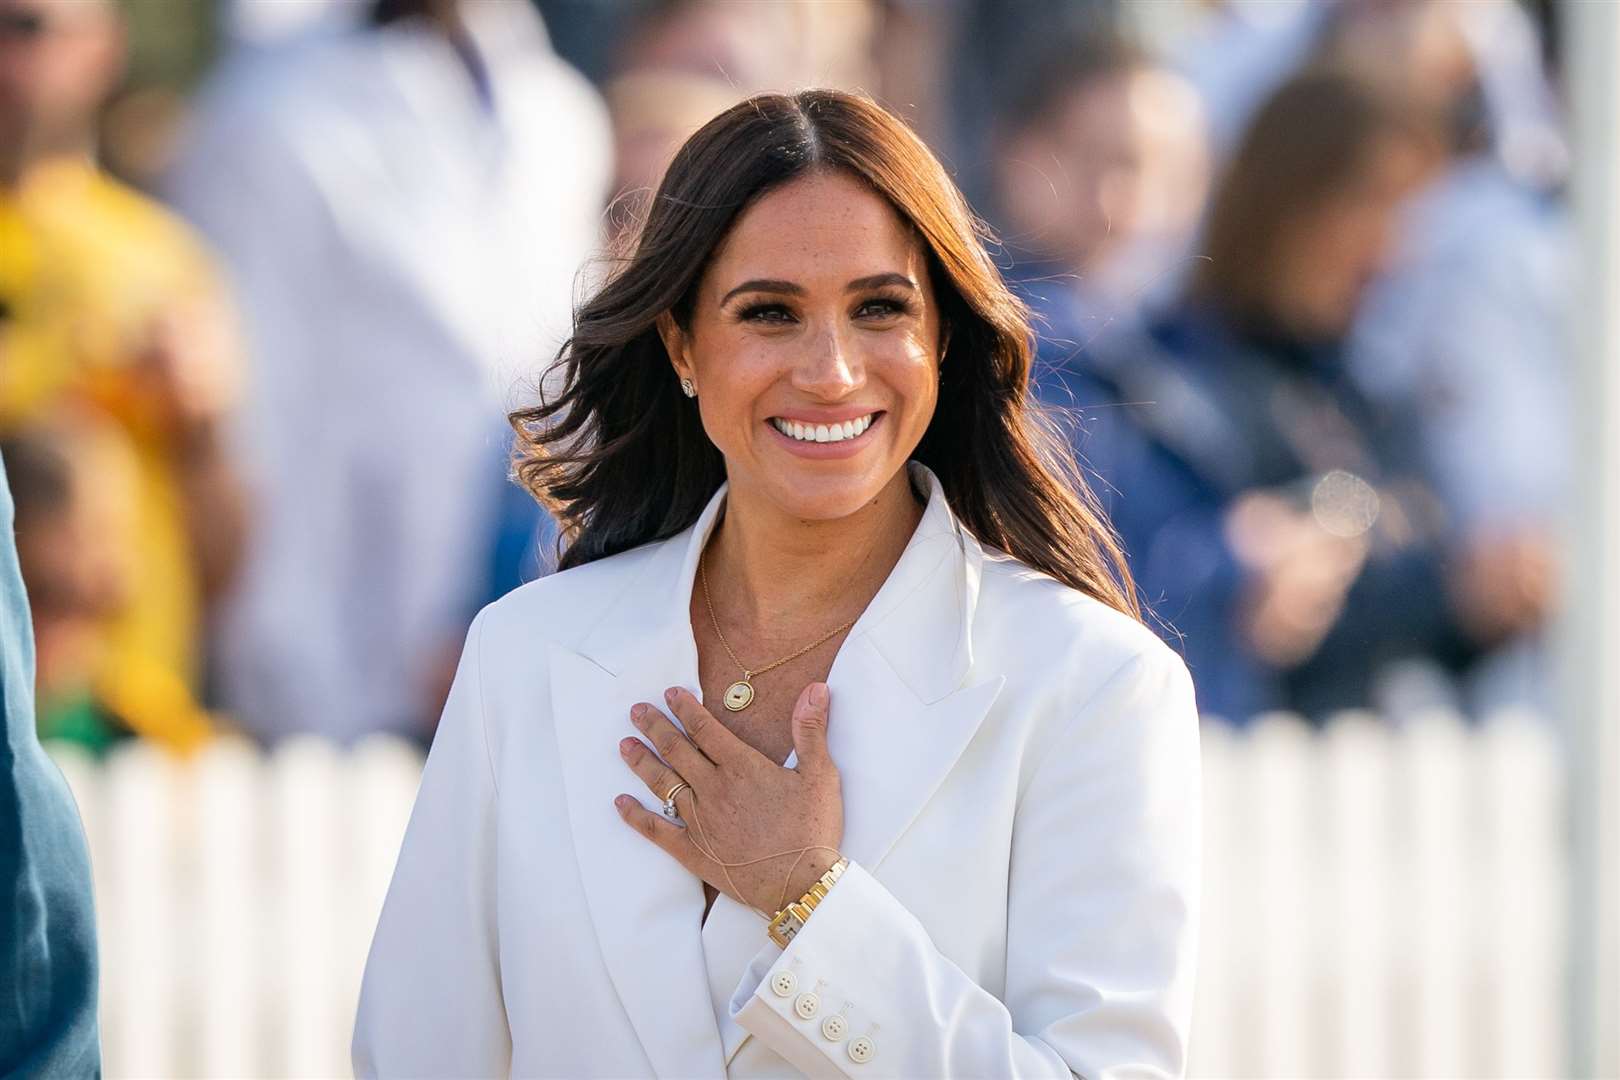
(785, 924)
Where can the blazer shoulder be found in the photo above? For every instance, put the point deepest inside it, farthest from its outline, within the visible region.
(1099, 675)
(1054, 624)
(563, 607)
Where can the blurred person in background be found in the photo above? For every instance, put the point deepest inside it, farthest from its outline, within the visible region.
(1237, 52)
(401, 203)
(1240, 51)
(791, 43)
(989, 49)
(673, 64)
(1100, 177)
(1311, 551)
(1469, 326)
(116, 319)
(653, 113)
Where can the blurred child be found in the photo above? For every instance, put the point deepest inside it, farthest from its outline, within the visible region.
(75, 480)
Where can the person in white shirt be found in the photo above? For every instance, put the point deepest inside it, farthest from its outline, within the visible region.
(929, 787)
(402, 207)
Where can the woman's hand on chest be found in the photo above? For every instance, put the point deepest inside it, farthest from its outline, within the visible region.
(754, 830)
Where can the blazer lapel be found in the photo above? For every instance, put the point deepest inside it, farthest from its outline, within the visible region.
(893, 751)
(646, 908)
(903, 704)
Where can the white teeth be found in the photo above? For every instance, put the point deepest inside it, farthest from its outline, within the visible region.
(848, 429)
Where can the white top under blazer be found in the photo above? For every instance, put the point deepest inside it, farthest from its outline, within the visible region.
(1020, 773)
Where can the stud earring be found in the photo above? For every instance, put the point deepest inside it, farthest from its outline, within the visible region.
(687, 388)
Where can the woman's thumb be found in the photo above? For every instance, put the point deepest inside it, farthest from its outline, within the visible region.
(810, 725)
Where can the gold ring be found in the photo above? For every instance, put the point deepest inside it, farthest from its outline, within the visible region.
(669, 800)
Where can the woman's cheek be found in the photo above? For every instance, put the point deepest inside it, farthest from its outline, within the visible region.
(737, 378)
(916, 377)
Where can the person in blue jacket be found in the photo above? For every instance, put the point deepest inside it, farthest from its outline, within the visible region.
(1299, 546)
(1281, 525)
(48, 959)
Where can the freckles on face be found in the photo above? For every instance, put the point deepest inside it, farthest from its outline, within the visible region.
(814, 345)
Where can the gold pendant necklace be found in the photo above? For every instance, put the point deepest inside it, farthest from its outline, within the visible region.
(740, 694)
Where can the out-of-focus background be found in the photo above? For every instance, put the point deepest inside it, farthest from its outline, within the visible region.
(1309, 281)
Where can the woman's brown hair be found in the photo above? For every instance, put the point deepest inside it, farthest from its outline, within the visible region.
(620, 455)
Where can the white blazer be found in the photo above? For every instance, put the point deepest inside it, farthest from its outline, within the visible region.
(1020, 774)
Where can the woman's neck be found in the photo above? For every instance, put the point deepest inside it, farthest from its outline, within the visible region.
(769, 568)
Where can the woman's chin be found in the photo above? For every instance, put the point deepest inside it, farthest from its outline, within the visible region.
(830, 490)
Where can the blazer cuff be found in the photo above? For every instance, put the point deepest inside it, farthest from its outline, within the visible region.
(805, 1002)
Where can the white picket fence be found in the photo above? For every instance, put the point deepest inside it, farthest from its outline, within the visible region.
(1378, 902)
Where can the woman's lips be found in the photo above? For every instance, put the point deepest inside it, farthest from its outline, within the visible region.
(842, 447)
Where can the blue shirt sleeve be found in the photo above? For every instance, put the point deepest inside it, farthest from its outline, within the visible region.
(48, 962)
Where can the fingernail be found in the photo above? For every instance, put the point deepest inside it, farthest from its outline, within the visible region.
(637, 711)
(671, 694)
(627, 747)
(818, 695)
(621, 801)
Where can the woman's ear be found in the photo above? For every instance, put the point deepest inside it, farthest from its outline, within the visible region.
(674, 339)
(944, 343)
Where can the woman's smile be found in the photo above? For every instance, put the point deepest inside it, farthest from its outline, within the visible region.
(828, 438)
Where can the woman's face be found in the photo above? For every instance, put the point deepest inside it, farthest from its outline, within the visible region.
(814, 347)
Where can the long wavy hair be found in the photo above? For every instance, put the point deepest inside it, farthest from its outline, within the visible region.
(620, 456)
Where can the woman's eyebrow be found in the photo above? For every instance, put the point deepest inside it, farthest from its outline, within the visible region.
(773, 285)
(872, 281)
(778, 285)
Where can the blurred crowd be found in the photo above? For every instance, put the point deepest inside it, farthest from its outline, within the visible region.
(1298, 270)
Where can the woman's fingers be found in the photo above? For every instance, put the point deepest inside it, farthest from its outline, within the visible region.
(672, 745)
(712, 737)
(658, 777)
(661, 831)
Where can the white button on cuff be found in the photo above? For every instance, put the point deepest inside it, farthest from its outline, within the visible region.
(807, 1004)
(783, 983)
(861, 1049)
(835, 1027)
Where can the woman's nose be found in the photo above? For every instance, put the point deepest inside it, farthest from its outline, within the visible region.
(829, 368)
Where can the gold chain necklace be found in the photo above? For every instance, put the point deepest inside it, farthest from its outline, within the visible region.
(740, 694)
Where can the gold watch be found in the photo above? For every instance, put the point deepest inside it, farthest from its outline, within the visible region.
(791, 919)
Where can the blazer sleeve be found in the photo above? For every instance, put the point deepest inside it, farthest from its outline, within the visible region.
(1102, 922)
(430, 999)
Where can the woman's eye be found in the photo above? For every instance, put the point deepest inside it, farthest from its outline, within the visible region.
(881, 308)
(769, 313)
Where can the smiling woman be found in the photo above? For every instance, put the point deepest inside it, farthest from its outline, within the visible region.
(620, 459)
(929, 788)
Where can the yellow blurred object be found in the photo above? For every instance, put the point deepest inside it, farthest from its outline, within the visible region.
(87, 269)
(154, 703)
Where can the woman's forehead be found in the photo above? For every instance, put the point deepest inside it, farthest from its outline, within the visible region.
(825, 225)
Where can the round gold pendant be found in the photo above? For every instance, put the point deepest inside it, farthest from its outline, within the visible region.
(738, 695)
